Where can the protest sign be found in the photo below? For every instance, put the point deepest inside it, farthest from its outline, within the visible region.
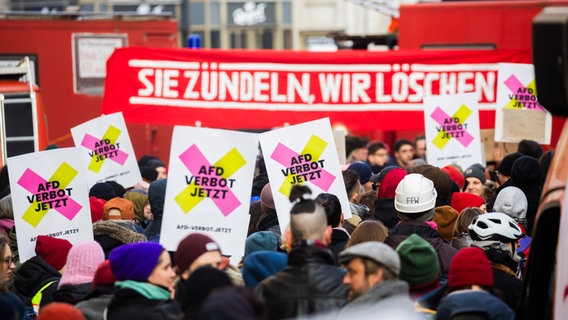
(302, 154)
(518, 114)
(209, 187)
(107, 151)
(50, 197)
(452, 130)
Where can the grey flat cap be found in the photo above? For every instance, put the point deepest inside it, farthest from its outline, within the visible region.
(373, 250)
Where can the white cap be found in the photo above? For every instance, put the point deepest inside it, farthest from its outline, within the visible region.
(415, 193)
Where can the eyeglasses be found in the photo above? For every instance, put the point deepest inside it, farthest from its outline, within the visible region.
(9, 260)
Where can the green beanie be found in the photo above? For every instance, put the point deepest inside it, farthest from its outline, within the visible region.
(418, 261)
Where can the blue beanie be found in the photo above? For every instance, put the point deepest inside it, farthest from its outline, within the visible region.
(135, 261)
(362, 169)
(261, 265)
(260, 240)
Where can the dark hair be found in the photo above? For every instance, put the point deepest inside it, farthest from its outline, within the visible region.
(399, 143)
(301, 204)
(376, 146)
(332, 207)
(351, 179)
(419, 137)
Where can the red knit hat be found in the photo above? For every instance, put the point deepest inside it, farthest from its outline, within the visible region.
(390, 182)
(97, 208)
(470, 266)
(60, 311)
(462, 200)
(103, 275)
(455, 174)
(191, 248)
(53, 250)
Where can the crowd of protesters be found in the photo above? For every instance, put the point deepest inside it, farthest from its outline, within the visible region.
(421, 242)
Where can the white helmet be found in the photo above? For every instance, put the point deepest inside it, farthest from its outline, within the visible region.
(415, 193)
(494, 226)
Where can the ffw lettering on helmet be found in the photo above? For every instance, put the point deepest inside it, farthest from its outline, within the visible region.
(412, 200)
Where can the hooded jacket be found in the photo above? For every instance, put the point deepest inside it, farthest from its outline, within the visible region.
(157, 197)
(311, 283)
(33, 275)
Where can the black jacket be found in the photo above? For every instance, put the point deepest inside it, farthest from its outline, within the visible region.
(385, 212)
(129, 304)
(73, 294)
(339, 239)
(32, 276)
(311, 283)
(403, 230)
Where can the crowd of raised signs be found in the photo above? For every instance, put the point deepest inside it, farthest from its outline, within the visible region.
(422, 242)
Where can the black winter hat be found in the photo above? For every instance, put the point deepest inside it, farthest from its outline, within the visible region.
(526, 170)
(102, 190)
(530, 148)
(506, 164)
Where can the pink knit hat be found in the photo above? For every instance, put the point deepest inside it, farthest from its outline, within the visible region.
(82, 262)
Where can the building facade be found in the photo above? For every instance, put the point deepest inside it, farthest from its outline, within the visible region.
(239, 24)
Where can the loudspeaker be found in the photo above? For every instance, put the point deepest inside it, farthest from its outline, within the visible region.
(550, 58)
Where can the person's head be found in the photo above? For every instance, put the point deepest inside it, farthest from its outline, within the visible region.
(60, 311)
(444, 185)
(495, 229)
(368, 264)
(455, 174)
(7, 264)
(267, 200)
(82, 262)
(6, 208)
(53, 250)
(260, 241)
(378, 154)
(506, 166)
(332, 207)
(102, 190)
(308, 220)
(464, 220)
(418, 261)
(388, 180)
(420, 146)
(363, 170)
(119, 209)
(139, 199)
(403, 152)
(261, 265)
(355, 148)
(530, 148)
(475, 180)
(143, 262)
(192, 292)
(160, 168)
(194, 251)
(352, 185)
(157, 196)
(368, 230)
(415, 198)
(512, 202)
(470, 267)
(462, 200)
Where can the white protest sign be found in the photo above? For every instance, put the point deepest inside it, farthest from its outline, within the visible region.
(107, 150)
(50, 197)
(302, 154)
(209, 187)
(518, 115)
(452, 130)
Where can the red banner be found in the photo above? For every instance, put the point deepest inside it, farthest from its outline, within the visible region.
(241, 89)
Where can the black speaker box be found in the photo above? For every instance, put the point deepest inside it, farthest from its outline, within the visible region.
(550, 58)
